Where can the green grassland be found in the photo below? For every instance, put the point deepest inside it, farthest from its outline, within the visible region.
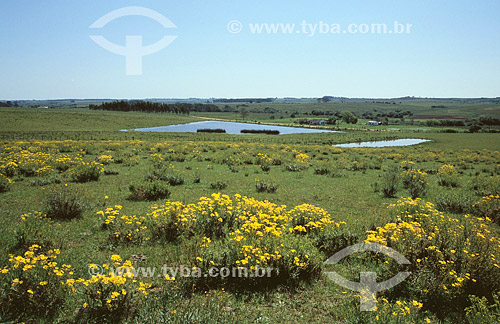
(346, 183)
(417, 107)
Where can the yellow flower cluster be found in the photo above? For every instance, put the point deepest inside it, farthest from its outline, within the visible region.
(109, 291)
(446, 169)
(414, 175)
(302, 157)
(174, 212)
(123, 228)
(33, 160)
(263, 159)
(386, 311)
(489, 206)
(306, 218)
(457, 251)
(105, 159)
(9, 181)
(34, 276)
(32, 259)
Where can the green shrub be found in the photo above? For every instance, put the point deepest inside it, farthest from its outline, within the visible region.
(111, 172)
(174, 179)
(416, 181)
(38, 181)
(450, 258)
(109, 298)
(34, 228)
(248, 234)
(322, 168)
(295, 167)
(86, 171)
(455, 201)
(123, 228)
(64, 203)
(4, 183)
(30, 286)
(263, 186)
(390, 182)
(149, 190)
(104, 159)
(447, 176)
(219, 185)
(332, 239)
(488, 207)
(9, 169)
(486, 186)
(481, 311)
(165, 173)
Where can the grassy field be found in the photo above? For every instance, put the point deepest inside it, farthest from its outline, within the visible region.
(178, 200)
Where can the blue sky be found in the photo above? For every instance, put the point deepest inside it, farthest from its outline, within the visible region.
(453, 50)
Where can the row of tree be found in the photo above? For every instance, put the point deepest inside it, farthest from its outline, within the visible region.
(337, 117)
(148, 106)
(143, 106)
(8, 104)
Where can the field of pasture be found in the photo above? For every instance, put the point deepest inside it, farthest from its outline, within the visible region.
(88, 212)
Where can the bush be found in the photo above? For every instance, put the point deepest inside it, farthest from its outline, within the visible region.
(4, 183)
(123, 228)
(295, 167)
(174, 179)
(450, 258)
(9, 169)
(34, 229)
(219, 185)
(248, 234)
(210, 130)
(165, 173)
(64, 203)
(149, 190)
(485, 186)
(322, 168)
(111, 172)
(257, 131)
(416, 181)
(390, 182)
(110, 297)
(86, 171)
(455, 202)
(30, 286)
(45, 181)
(263, 186)
(489, 207)
(165, 222)
(105, 159)
(481, 311)
(447, 176)
(332, 239)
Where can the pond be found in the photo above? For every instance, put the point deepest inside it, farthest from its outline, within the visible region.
(398, 142)
(231, 128)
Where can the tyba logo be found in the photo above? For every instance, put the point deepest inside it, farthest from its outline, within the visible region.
(367, 285)
(133, 49)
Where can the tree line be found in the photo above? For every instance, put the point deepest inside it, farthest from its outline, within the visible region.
(148, 106)
(8, 104)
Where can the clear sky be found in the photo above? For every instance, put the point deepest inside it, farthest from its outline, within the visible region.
(452, 50)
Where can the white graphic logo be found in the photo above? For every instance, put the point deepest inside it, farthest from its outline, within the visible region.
(367, 285)
(133, 49)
